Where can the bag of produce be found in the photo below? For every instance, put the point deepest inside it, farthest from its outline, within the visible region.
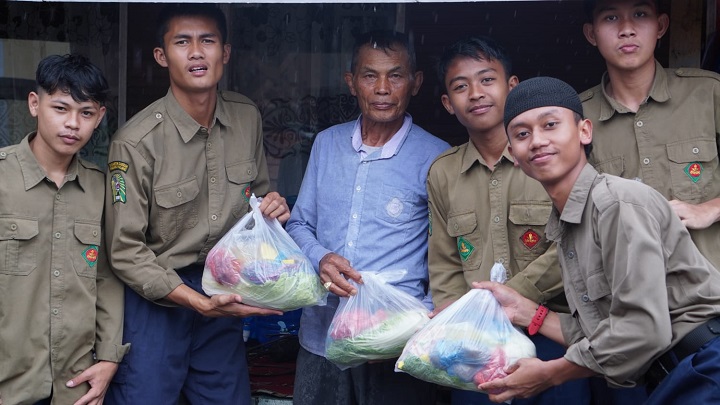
(375, 323)
(468, 343)
(259, 261)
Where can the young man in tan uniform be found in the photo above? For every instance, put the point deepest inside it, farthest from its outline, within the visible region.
(60, 305)
(645, 303)
(659, 126)
(180, 176)
(483, 209)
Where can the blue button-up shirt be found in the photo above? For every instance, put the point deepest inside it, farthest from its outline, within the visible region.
(370, 208)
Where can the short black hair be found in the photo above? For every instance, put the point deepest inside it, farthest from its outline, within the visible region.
(188, 10)
(72, 74)
(385, 40)
(590, 5)
(475, 47)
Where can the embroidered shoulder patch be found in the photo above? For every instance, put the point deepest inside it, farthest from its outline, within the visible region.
(247, 193)
(117, 182)
(91, 255)
(693, 171)
(465, 248)
(530, 239)
(118, 165)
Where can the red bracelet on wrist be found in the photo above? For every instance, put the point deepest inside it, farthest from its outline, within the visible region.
(537, 320)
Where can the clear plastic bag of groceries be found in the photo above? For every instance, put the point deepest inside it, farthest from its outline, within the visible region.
(259, 261)
(468, 343)
(375, 323)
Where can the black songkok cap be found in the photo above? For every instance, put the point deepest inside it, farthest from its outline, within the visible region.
(540, 92)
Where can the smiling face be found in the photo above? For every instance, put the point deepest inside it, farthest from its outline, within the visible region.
(548, 144)
(64, 125)
(194, 54)
(383, 83)
(476, 93)
(626, 32)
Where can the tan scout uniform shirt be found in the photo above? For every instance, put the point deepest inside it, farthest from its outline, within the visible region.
(670, 144)
(59, 302)
(635, 282)
(176, 187)
(479, 217)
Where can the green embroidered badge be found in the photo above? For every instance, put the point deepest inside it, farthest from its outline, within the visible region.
(429, 222)
(693, 171)
(91, 255)
(117, 182)
(465, 248)
(247, 193)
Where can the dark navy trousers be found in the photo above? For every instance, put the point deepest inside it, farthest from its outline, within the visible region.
(174, 350)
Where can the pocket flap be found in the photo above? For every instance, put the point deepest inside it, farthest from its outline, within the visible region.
(597, 286)
(88, 233)
(241, 173)
(461, 224)
(177, 194)
(18, 228)
(614, 166)
(694, 150)
(535, 213)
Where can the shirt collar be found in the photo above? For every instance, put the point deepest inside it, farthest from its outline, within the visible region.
(471, 156)
(185, 124)
(575, 205)
(392, 146)
(659, 92)
(31, 170)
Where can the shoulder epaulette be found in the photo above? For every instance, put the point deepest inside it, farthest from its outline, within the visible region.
(90, 165)
(448, 152)
(587, 95)
(694, 72)
(233, 97)
(138, 127)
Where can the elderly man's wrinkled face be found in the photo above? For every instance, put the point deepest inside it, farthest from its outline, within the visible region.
(383, 83)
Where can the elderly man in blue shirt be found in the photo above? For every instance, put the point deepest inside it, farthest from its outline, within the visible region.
(363, 206)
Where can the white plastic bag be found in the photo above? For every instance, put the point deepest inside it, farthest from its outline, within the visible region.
(469, 343)
(375, 323)
(259, 261)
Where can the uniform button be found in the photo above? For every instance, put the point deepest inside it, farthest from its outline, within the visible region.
(57, 235)
(696, 151)
(585, 298)
(203, 130)
(13, 227)
(56, 273)
(501, 261)
(3, 154)
(158, 115)
(646, 161)
(456, 226)
(494, 182)
(496, 219)
(350, 243)
(639, 124)
(571, 254)
(209, 143)
(179, 194)
(55, 311)
(214, 217)
(354, 216)
(249, 172)
(95, 233)
(212, 179)
(57, 197)
(358, 188)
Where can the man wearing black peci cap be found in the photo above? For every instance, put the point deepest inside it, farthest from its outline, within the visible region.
(644, 301)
